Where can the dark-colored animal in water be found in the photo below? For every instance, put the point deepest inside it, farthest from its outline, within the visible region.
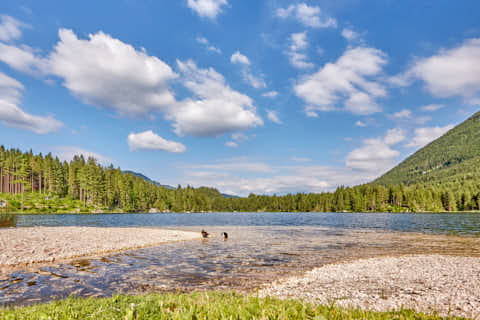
(205, 234)
(225, 235)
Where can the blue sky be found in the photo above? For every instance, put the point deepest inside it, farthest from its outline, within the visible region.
(247, 96)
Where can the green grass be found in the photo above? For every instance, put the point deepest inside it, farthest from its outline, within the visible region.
(207, 305)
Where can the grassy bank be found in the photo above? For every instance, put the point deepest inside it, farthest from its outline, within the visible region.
(212, 305)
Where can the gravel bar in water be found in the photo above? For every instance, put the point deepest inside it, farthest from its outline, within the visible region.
(21, 246)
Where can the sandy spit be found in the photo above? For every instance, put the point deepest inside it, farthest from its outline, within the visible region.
(427, 283)
(23, 246)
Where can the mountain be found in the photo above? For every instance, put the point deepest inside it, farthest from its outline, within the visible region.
(229, 196)
(136, 174)
(454, 158)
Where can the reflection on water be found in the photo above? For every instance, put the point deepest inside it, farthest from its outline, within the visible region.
(251, 257)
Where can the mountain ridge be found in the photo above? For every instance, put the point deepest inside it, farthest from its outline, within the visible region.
(144, 177)
(455, 156)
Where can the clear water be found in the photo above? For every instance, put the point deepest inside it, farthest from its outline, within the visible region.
(439, 223)
(261, 247)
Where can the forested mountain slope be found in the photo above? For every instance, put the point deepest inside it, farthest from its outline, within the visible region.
(144, 177)
(453, 159)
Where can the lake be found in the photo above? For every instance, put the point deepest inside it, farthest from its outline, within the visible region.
(261, 247)
(437, 223)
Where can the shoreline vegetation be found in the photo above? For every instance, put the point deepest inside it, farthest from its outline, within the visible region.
(37, 203)
(199, 305)
(9, 215)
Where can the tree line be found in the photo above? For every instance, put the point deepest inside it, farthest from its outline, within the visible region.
(111, 188)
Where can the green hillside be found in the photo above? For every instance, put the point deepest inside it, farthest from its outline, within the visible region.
(453, 159)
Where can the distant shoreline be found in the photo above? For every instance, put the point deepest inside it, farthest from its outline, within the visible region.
(115, 212)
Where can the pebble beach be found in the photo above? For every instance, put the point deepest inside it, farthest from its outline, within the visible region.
(447, 285)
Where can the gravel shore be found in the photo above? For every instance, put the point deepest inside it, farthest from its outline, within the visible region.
(22, 246)
(428, 283)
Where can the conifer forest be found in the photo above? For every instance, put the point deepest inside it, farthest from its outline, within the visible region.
(83, 185)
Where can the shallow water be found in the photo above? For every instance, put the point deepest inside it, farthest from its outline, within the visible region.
(252, 256)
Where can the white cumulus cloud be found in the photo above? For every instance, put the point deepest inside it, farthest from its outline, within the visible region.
(449, 73)
(215, 108)
(107, 72)
(23, 59)
(207, 8)
(432, 107)
(350, 34)
(360, 123)
(10, 28)
(394, 136)
(240, 137)
(204, 41)
(231, 144)
(254, 81)
(237, 139)
(148, 140)
(273, 116)
(310, 16)
(67, 153)
(248, 77)
(270, 94)
(10, 89)
(13, 116)
(237, 57)
(376, 155)
(351, 83)
(405, 113)
(296, 51)
(236, 179)
(424, 136)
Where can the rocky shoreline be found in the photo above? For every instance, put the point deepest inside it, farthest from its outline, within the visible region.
(26, 246)
(448, 285)
(446, 282)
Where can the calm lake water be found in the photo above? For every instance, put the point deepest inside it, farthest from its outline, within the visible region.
(441, 223)
(261, 247)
